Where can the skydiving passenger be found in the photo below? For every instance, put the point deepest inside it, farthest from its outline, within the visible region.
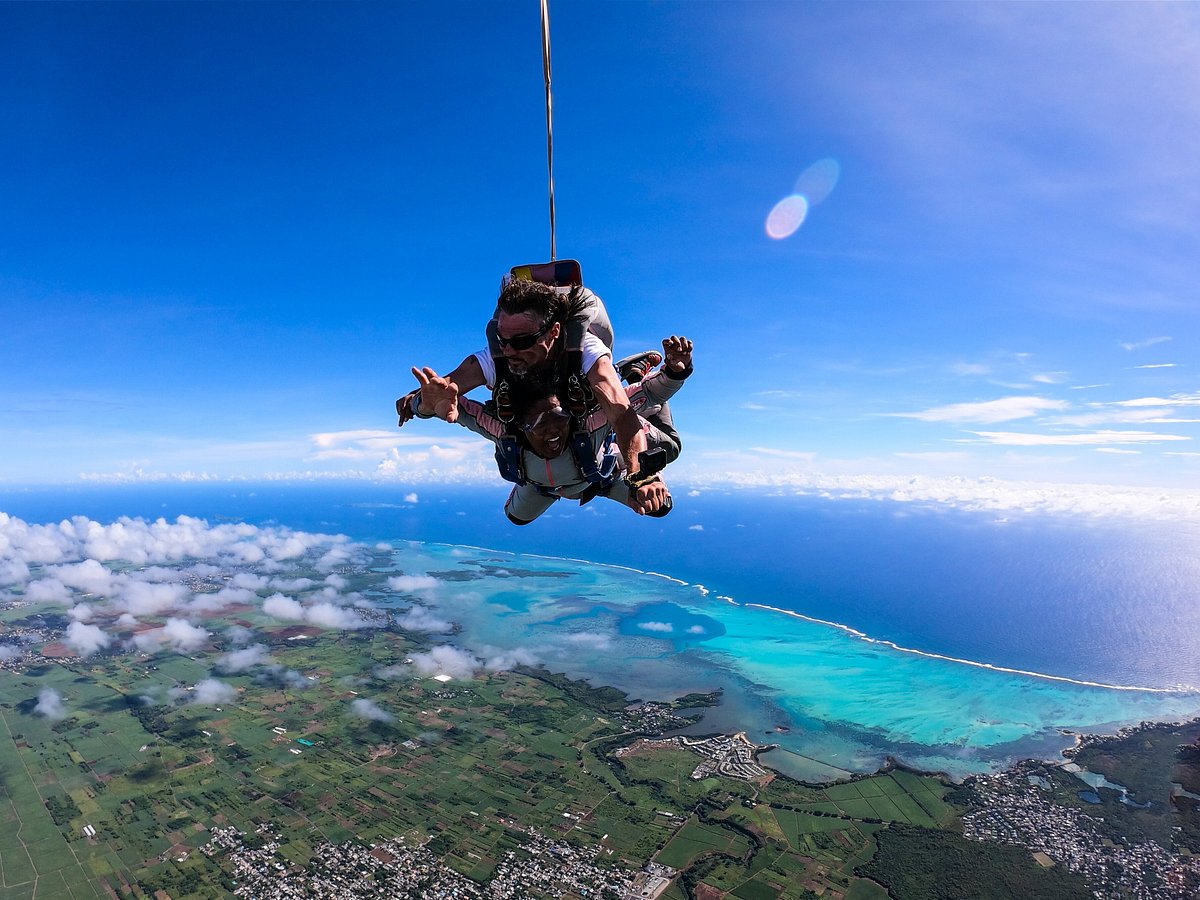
(530, 330)
(549, 459)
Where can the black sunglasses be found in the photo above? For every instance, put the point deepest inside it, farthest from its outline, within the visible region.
(523, 341)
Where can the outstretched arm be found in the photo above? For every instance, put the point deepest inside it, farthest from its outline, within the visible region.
(664, 382)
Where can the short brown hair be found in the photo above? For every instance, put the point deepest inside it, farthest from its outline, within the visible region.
(519, 295)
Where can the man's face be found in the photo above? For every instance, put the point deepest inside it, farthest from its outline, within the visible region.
(525, 325)
(546, 427)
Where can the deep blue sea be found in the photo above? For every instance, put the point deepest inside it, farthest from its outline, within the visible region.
(1111, 602)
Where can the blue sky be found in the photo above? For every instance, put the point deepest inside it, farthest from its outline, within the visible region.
(228, 230)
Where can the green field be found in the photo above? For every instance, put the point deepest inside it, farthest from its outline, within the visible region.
(467, 768)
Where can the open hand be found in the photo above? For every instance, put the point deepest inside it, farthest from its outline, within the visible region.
(438, 394)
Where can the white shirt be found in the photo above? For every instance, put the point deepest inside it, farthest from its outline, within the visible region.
(593, 349)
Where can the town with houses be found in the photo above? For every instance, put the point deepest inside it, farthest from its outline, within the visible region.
(731, 755)
(351, 871)
(1019, 809)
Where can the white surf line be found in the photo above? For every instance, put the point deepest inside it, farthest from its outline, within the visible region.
(854, 632)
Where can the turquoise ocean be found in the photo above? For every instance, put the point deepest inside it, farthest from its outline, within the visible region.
(843, 631)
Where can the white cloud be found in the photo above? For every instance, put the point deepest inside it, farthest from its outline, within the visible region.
(330, 615)
(503, 660)
(212, 692)
(410, 584)
(467, 462)
(88, 576)
(50, 704)
(1173, 400)
(245, 658)
(291, 584)
(1157, 366)
(47, 589)
(986, 412)
(337, 556)
(1118, 450)
(1125, 416)
(86, 639)
(1142, 345)
(591, 639)
(144, 599)
(239, 635)
(368, 709)
(249, 581)
(410, 498)
(695, 528)
(1166, 504)
(1019, 439)
(663, 627)
(13, 571)
(183, 636)
(219, 600)
(282, 607)
(447, 660)
(421, 619)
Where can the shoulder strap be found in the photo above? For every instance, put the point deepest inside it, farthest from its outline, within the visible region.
(508, 459)
(585, 458)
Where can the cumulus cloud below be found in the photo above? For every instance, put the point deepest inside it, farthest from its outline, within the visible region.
(245, 658)
(367, 709)
(50, 704)
(159, 579)
(86, 639)
(447, 660)
(211, 692)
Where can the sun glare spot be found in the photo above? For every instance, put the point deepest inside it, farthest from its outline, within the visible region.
(786, 217)
(818, 181)
(814, 185)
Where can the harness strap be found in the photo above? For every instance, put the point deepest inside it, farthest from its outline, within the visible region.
(585, 458)
(508, 459)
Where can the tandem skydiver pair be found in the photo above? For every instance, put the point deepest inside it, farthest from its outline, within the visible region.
(563, 423)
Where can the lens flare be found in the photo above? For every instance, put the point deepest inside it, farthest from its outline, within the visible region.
(786, 217)
(818, 180)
